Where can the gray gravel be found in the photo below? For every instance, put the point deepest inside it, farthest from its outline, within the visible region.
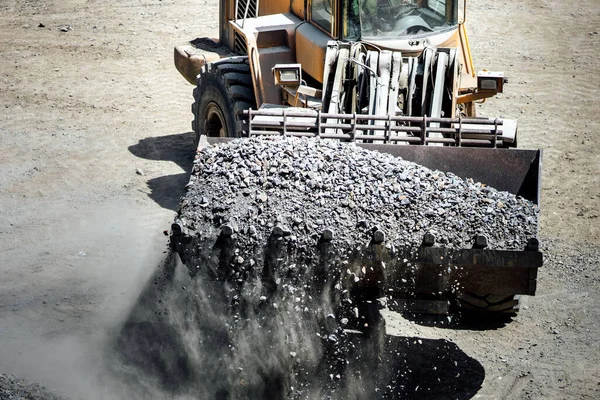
(308, 187)
(13, 388)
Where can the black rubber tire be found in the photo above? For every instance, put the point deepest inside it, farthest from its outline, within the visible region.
(224, 90)
(489, 304)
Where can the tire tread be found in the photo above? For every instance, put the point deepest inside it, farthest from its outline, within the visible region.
(233, 74)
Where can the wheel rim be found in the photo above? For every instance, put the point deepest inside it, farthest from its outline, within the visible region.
(214, 121)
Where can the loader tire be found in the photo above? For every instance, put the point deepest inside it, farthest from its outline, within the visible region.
(224, 90)
(490, 305)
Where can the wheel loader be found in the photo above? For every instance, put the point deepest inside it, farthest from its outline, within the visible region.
(394, 76)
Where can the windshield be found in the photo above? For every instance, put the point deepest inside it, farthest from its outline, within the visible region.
(394, 19)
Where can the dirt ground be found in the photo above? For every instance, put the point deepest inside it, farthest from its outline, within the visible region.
(95, 145)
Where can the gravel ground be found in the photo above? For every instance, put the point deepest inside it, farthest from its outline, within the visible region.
(13, 388)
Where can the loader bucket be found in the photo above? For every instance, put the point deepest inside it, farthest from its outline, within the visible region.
(433, 272)
(516, 171)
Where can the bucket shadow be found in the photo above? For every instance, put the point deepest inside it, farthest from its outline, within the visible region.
(415, 368)
(407, 368)
(468, 321)
(167, 190)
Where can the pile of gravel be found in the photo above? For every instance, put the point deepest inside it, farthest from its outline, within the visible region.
(275, 237)
(13, 388)
(305, 188)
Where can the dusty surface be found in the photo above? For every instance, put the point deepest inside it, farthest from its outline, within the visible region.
(95, 146)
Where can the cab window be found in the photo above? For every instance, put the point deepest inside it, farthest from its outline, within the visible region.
(322, 14)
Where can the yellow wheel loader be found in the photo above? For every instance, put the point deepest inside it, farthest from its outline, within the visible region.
(394, 76)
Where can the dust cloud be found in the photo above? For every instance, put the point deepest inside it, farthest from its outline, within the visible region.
(198, 337)
(153, 331)
(194, 337)
(70, 289)
(191, 336)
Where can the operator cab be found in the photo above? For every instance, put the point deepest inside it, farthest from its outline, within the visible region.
(397, 18)
(388, 23)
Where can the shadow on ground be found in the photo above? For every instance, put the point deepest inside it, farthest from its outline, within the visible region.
(418, 368)
(460, 320)
(167, 190)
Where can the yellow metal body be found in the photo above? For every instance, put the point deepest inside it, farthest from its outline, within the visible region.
(290, 31)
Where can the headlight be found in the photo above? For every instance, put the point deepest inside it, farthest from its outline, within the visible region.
(287, 74)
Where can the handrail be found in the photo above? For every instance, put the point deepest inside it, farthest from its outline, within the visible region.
(487, 132)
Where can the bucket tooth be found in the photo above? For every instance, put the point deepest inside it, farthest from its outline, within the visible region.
(428, 239)
(378, 236)
(327, 234)
(227, 231)
(481, 242)
(533, 244)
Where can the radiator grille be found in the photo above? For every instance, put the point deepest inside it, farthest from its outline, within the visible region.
(239, 44)
(251, 5)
